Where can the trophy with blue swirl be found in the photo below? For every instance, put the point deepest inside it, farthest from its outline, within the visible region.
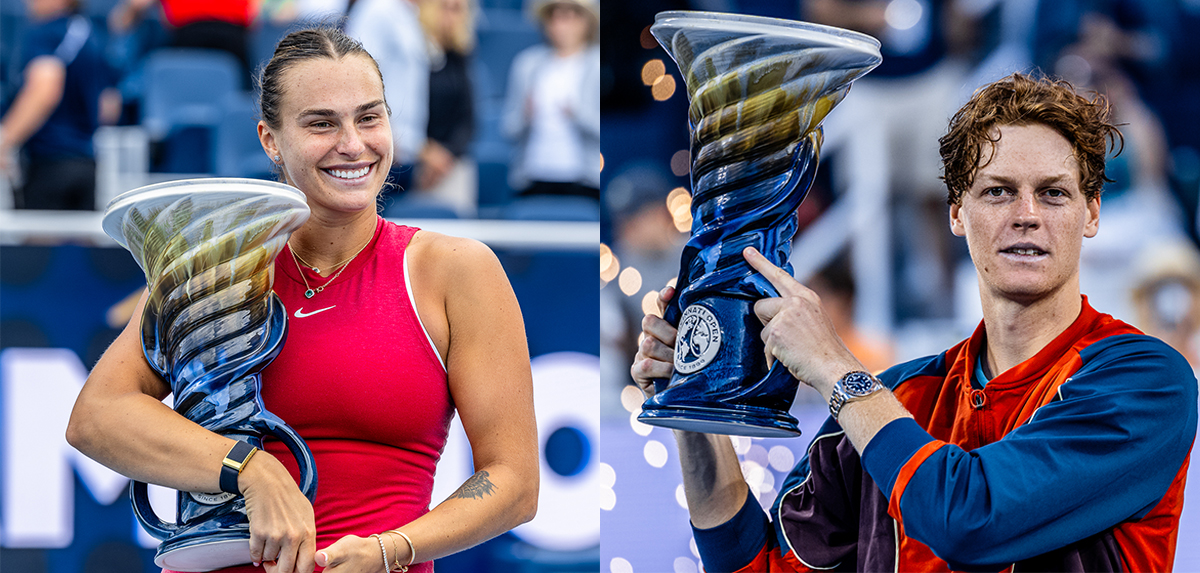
(758, 90)
(210, 325)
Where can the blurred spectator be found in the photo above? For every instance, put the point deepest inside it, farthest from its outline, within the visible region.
(446, 173)
(64, 97)
(885, 136)
(285, 11)
(836, 286)
(391, 31)
(211, 24)
(1166, 296)
(646, 243)
(552, 110)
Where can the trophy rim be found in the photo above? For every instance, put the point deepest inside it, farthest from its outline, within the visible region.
(114, 213)
(727, 21)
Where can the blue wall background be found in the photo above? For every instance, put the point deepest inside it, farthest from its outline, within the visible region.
(57, 296)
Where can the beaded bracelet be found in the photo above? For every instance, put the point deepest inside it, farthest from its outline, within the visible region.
(386, 568)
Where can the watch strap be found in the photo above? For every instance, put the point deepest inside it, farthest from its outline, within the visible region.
(233, 464)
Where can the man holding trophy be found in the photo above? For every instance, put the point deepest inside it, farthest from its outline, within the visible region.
(1055, 438)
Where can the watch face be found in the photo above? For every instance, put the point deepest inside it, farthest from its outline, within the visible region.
(858, 384)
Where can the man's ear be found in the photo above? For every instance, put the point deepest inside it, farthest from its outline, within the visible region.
(956, 222)
(1092, 226)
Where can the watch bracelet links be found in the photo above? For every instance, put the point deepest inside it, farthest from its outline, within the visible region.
(839, 398)
(233, 464)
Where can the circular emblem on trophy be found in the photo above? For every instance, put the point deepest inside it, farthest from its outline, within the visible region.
(211, 498)
(699, 338)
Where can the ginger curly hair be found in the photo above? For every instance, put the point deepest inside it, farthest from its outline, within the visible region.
(1021, 99)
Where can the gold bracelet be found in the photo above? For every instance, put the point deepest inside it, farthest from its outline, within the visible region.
(396, 555)
(386, 568)
(412, 550)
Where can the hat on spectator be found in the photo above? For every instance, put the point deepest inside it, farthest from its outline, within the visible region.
(541, 9)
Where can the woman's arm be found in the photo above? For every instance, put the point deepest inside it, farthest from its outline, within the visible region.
(515, 115)
(45, 78)
(120, 421)
(488, 366)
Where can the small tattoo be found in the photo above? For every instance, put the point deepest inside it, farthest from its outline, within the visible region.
(475, 487)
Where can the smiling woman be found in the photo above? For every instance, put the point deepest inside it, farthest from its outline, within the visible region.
(387, 320)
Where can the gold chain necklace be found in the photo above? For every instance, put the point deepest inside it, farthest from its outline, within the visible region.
(309, 291)
(318, 271)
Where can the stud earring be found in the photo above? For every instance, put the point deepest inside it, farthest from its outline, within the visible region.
(276, 159)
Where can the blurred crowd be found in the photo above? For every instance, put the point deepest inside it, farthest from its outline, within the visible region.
(874, 238)
(495, 103)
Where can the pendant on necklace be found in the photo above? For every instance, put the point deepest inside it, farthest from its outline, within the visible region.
(309, 293)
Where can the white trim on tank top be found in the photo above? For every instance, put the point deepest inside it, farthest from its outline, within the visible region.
(412, 301)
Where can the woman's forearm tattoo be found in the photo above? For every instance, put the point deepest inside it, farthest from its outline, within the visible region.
(475, 487)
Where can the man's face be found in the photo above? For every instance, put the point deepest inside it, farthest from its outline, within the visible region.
(1025, 215)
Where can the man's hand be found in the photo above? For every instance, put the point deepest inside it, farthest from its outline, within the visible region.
(282, 526)
(656, 353)
(797, 332)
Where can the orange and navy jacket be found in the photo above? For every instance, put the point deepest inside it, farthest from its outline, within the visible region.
(1073, 460)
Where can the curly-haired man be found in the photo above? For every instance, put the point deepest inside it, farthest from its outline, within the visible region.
(1055, 438)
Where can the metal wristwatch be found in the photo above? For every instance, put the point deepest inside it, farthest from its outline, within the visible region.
(853, 386)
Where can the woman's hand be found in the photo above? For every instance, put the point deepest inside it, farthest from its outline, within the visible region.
(354, 554)
(656, 353)
(282, 526)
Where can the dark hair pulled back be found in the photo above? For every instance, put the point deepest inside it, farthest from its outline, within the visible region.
(298, 46)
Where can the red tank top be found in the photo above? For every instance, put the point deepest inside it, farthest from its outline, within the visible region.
(361, 382)
(183, 12)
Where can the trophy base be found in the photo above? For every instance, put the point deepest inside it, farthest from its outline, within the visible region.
(755, 423)
(206, 554)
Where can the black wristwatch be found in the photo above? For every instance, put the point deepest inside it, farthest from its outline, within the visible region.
(853, 386)
(233, 464)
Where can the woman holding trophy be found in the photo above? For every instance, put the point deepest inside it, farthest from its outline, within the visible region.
(391, 330)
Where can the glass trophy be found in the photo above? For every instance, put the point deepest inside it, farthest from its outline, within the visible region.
(758, 90)
(210, 325)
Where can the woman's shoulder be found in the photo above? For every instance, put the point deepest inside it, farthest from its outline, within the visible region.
(448, 255)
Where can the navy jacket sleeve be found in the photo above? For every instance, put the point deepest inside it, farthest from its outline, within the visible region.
(1105, 450)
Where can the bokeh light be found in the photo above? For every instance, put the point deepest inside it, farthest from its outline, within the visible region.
(681, 163)
(655, 453)
(609, 264)
(630, 281)
(620, 565)
(631, 399)
(607, 499)
(639, 428)
(903, 14)
(663, 88)
(685, 565)
(608, 479)
(681, 496)
(653, 70)
(646, 39)
(741, 444)
(781, 458)
(757, 454)
(650, 303)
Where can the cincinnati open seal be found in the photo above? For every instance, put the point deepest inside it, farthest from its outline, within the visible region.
(699, 338)
(211, 498)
